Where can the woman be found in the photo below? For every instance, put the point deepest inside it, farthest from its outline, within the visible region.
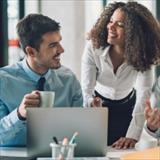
(124, 45)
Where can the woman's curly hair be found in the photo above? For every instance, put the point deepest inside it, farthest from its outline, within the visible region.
(142, 34)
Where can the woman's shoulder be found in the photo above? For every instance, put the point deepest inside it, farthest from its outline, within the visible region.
(95, 51)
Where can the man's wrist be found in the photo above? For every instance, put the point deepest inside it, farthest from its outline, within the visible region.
(151, 130)
(20, 116)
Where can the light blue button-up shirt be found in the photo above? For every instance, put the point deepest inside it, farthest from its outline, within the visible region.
(18, 80)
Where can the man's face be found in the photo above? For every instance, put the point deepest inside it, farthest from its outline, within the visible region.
(48, 56)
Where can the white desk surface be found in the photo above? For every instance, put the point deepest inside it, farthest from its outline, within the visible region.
(81, 158)
(112, 154)
(13, 151)
(10, 153)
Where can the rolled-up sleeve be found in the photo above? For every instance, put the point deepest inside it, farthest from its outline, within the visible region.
(144, 85)
(155, 134)
(9, 124)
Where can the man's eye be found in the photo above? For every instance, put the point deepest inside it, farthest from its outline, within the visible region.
(52, 45)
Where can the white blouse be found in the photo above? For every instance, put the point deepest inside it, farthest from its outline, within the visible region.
(97, 74)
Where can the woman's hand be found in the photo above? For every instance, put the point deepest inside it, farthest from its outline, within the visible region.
(124, 143)
(97, 102)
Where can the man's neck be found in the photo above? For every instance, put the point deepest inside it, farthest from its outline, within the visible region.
(35, 68)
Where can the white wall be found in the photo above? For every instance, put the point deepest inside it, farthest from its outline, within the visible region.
(93, 9)
(31, 6)
(70, 14)
(150, 4)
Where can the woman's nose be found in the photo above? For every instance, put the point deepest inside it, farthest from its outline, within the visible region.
(112, 26)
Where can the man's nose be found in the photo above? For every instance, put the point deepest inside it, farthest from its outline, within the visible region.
(60, 49)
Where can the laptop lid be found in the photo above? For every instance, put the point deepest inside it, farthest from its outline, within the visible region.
(90, 123)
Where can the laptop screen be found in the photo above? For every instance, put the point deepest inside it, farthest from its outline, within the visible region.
(45, 123)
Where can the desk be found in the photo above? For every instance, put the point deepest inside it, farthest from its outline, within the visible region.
(91, 158)
(18, 154)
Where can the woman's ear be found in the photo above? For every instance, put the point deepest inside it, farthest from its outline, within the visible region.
(30, 51)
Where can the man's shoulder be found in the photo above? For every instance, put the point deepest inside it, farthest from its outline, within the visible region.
(9, 70)
(65, 73)
(158, 79)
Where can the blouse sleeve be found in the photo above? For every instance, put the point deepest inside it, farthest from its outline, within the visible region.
(88, 74)
(143, 87)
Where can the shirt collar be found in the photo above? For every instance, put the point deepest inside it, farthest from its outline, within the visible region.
(105, 52)
(33, 75)
(51, 76)
(55, 79)
(105, 55)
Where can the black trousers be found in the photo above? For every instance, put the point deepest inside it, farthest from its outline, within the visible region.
(120, 115)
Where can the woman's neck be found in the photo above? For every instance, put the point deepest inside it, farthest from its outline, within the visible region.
(119, 51)
(116, 56)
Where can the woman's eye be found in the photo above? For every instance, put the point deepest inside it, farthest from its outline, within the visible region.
(120, 24)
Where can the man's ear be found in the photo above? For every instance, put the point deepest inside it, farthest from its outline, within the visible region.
(30, 51)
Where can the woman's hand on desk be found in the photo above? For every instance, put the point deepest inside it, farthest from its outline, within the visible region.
(124, 143)
(97, 102)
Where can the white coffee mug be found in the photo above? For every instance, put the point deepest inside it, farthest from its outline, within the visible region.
(145, 144)
(47, 98)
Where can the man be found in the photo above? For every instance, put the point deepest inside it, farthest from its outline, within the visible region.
(40, 40)
(152, 120)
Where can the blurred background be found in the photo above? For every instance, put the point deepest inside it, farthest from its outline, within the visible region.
(76, 18)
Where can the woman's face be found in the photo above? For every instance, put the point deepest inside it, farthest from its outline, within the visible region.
(116, 28)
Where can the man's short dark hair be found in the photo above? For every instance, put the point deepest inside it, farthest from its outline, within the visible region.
(32, 27)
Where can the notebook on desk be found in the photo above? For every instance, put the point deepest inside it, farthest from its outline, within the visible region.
(90, 123)
(146, 154)
(44, 123)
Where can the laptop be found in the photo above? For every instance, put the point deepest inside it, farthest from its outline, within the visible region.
(45, 123)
